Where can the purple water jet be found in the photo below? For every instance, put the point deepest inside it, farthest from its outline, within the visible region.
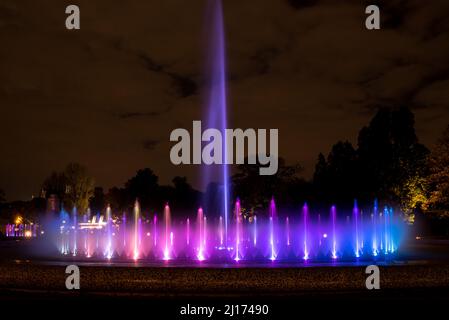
(216, 105)
(168, 237)
(305, 214)
(355, 213)
(200, 233)
(272, 230)
(136, 230)
(334, 235)
(188, 232)
(108, 252)
(238, 235)
(255, 232)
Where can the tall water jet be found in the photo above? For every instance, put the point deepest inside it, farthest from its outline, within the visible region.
(155, 231)
(86, 235)
(216, 98)
(97, 238)
(75, 231)
(355, 213)
(124, 231)
(136, 230)
(200, 233)
(64, 232)
(108, 253)
(139, 233)
(334, 234)
(387, 243)
(255, 231)
(361, 233)
(238, 235)
(391, 238)
(167, 235)
(319, 231)
(220, 231)
(287, 227)
(305, 215)
(205, 232)
(374, 227)
(272, 231)
(188, 231)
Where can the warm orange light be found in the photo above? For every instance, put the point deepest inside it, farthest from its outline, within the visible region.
(19, 220)
(28, 234)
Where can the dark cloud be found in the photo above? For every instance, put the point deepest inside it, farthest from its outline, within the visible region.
(150, 64)
(263, 59)
(308, 68)
(182, 84)
(394, 13)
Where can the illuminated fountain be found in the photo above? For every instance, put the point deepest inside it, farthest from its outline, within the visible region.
(303, 237)
(216, 115)
(270, 235)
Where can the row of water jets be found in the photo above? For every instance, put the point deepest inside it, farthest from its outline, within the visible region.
(304, 237)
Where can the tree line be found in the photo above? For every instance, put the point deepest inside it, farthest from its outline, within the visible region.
(387, 163)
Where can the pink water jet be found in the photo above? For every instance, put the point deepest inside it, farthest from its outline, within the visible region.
(200, 232)
(305, 214)
(167, 235)
(272, 229)
(238, 222)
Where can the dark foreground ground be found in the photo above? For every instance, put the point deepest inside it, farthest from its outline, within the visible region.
(209, 282)
(287, 292)
(407, 284)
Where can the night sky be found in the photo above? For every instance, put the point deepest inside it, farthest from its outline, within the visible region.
(109, 95)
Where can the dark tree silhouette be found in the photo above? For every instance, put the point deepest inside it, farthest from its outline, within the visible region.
(389, 164)
(152, 196)
(255, 190)
(184, 194)
(118, 199)
(98, 201)
(55, 184)
(389, 154)
(144, 187)
(336, 179)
